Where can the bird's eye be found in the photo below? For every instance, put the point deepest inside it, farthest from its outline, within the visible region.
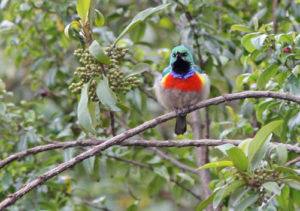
(184, 54)
(174, 55)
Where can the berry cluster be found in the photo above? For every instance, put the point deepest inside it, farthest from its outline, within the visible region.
(260, 177)
(91, 69)
(118, 82)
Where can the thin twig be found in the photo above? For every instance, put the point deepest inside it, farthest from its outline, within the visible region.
(142, 165)
(12, 198)
(186, 189)
(161, 153)
(291, 162)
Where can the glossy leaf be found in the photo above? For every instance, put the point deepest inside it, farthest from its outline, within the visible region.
(241, 28)
(98, 53)
(260, 138)
(140, 17)
(272, 187)
(106, 95)
(88, 164)
(139, 69)
(247, 43)
(282, 154)
(226, 191)
(216, 164)
(82, 8)
(266, 75)
(99, 18)
(163, 172)
(83, 113)
(238, 158)
(206, 202)
(258, 42)
(247, 202)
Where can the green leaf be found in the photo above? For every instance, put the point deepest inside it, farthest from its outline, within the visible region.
(106, 95)
(258, 42)
(88, 164)
(282, 154)
(296, 11)
(247, 43)
(186, 177)
(155, 185)
(237, 195)
(99, 18)
(261, 136)
(138, 32)
(292, 85)
(241, 28)
(226, 191)
(163, 172)
(83, 113)
(247, 202)
(266, 75)
(285, 170)
(98, 53)
(216, 164)
(284, 38)
(284, 198)
(261, 153)
(223, 148)
(138, 69)
(82, 8)
(206, 202)
(48, 205)
(272, 187)
(133, 206)
(238, 158)
(218, 198)
(140, 17)
(292, 183)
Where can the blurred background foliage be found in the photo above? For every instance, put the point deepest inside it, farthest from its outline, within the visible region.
(243, 45)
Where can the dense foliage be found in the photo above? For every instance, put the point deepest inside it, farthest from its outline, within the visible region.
(72, 70)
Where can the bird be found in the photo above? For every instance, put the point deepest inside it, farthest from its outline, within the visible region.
(181, 85)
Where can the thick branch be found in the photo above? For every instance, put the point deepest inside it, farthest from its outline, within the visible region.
(11, 199)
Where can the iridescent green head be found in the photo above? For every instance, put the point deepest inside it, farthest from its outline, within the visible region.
(181, 52)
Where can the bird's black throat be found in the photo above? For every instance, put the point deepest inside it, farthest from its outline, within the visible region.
(181, 66)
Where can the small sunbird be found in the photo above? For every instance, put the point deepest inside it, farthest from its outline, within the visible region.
(182, 84)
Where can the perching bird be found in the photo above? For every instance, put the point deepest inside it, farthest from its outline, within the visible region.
(182, 84)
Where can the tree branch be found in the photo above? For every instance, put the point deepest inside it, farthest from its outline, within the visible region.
(12, 198)
(291, 162)
(140, 143)
(161, 153)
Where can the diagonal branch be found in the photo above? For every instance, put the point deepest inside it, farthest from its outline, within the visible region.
(12, 198)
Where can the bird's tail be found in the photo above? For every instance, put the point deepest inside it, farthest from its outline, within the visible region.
(180, 126)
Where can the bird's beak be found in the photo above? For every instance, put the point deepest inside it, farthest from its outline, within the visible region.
(178, 55)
